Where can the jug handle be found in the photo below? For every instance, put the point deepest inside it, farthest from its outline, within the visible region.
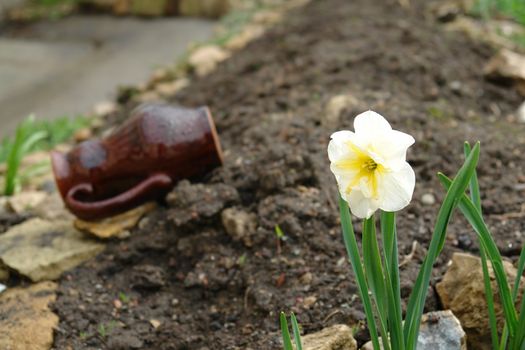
(92, 210)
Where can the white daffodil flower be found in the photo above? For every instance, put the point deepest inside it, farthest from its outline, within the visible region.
(370, 165)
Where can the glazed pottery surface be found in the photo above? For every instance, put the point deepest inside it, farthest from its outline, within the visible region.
(141, 160)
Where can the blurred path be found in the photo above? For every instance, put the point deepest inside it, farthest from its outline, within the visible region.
(63, 68)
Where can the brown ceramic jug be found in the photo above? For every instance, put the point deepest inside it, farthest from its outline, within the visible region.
(141, 160)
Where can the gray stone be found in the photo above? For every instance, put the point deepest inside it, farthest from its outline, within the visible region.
(336, 337)
(441, 330)
(428, 199)
(43, 250)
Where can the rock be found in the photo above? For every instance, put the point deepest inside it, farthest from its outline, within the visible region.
(25, 201)
(248, 34)
(521, 113)
(43, 250)
(240, 225)
(440, 330)
(336, 337)
(204, 8)
(335, 108)
(462, 291)
(509, 66)
(206, 58)
(115, 225)
(104, 108)
(27, 322)
(82, 134)
(171, 88)
(428, 199)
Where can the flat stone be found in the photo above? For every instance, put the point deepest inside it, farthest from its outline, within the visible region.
(115, 225)
(52, 208)
(462, 291)
(206, 58)
(25, 201)
(27, 322)
(336, 337)
(43, 250)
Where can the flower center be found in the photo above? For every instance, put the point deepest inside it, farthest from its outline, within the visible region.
(370, 165)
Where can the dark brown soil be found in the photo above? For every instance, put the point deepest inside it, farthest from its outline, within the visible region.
(182, 282)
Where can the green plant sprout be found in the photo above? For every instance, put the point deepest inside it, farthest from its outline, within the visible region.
(32, 135)
(23, 143)
(123, 297)
(280, 236)
(287, 339)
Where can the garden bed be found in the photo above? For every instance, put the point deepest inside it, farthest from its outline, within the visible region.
(183, 281)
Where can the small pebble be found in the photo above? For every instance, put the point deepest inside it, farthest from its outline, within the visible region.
(428, 199)
(2, 287)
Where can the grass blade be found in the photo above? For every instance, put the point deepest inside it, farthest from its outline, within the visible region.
(476, 200)
(476, 221)
(417, 297)
(296, 332)
(287, 340)
(355, 261)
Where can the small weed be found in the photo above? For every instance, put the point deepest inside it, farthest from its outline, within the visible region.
(123, 297)
(514, 9)
(241, 261)
(32, 135)
(280, 237)
(104, 329)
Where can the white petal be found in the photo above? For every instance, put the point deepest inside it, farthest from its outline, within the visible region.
(338, 148)
(370, 123)
(392, 148)
(361, 206)
(396, 188)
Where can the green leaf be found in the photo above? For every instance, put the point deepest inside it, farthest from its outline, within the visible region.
(476, 199)
(476, 221)
(417, 298)
(355, 260)
(395, 322)
(287, 340)
(374, 275)
(296, 332)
